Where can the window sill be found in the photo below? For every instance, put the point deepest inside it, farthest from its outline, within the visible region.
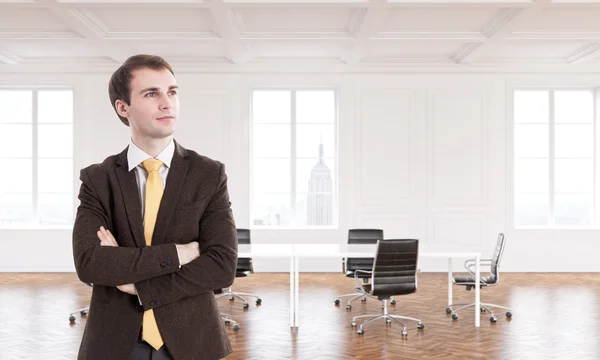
(27, 227)
(560, 228)
(299, 228)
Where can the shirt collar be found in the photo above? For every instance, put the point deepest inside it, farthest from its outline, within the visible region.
(135, 155)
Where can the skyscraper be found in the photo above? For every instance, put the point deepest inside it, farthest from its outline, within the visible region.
(320, 193)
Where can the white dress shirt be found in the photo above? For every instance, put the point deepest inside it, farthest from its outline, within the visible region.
(135, 157)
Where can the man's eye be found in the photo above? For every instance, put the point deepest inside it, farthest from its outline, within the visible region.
(151, 93)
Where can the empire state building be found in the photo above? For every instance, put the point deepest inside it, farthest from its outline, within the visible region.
(320, 194)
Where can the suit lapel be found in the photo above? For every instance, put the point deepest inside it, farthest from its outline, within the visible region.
(131, 198)
(175, 181)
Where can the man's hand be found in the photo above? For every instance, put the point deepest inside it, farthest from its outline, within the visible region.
(107, 239)
(128, 288)
(188, 252)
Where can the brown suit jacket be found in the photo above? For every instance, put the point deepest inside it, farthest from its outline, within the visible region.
(195, 207)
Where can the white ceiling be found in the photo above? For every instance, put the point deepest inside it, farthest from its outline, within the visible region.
(467, 33)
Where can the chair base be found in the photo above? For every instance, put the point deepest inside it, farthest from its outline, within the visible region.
(229, 321)
(360, 293)
(484, 307)
(82, 312)
(233, 295)
(388, 319)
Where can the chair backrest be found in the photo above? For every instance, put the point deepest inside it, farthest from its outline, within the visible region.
(395, 268)
(496, 257)
(244, 264)
(362, 236)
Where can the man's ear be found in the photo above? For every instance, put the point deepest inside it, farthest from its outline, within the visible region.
(121, 108)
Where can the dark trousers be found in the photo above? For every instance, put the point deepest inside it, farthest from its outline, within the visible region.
(143, 351)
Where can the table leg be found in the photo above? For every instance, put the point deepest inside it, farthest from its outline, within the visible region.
(477, 293)
(297, 292)
(292, 294)
(450, 281)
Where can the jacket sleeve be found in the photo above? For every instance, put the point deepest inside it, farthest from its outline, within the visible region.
(213, 269)
(108, 265)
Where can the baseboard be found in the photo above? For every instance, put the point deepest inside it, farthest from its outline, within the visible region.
(37, 270)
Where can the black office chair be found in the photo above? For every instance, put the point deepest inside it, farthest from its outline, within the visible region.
(492, 279)
(244, 268)
(394, 273)
(83, 312)
(351, 265)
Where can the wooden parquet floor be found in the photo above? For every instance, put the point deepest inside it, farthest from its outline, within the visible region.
(556, 316)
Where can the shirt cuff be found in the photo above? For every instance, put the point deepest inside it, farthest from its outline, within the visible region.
(178, 256)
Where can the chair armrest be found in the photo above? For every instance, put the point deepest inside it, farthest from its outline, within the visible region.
(362, 271)
(471, 263)
(481, 261)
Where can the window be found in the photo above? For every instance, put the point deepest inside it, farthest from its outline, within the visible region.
(36, 156)
(293, 158)
(555, 162)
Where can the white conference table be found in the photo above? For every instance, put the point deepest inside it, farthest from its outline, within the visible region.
(294, 252)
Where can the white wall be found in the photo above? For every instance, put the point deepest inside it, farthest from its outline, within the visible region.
(423, 155)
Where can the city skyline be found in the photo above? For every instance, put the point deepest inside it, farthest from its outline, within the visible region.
(315, 208)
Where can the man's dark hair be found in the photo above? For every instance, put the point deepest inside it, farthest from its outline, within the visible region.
(119, 86)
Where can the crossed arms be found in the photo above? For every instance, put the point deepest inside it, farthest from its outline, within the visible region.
(162, 273)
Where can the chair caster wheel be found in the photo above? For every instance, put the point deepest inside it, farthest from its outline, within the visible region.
(231, 298)
(227, 322)
(455, 316)
(448, 310)
(364, 300)
(388, 321)
(404, 332)
(83, 313)
(337, 301)
(420, 326)
(360, 332)
(246, 306)
(258, 301)
(236, 327)
(493, 319)
(482, 310)
(393, 302)
(353, 324)
(508, 314)
(72, 319)
(348, 307)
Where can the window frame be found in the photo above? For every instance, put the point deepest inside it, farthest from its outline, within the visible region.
(35, 222)
(293, 192)
(551, 225)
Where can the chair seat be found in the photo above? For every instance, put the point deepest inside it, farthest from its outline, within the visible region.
(394, 290)
(469, 280)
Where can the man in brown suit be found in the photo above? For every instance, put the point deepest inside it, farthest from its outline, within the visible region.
(154, 240)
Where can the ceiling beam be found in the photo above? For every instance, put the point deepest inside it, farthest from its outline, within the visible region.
(224, 25)
(8, 57)
(583, 54)
(373, 22)
(84, 27)
(504, 23)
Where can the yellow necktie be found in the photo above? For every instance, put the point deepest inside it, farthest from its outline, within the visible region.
(154, 192)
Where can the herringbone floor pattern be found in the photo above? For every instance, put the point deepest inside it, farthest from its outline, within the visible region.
(556, 316)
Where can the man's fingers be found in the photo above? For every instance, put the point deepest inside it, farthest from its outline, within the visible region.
(106, 237)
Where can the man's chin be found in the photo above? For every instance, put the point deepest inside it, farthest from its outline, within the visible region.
(162, 134)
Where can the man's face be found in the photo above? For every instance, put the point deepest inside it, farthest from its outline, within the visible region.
(154, 105)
